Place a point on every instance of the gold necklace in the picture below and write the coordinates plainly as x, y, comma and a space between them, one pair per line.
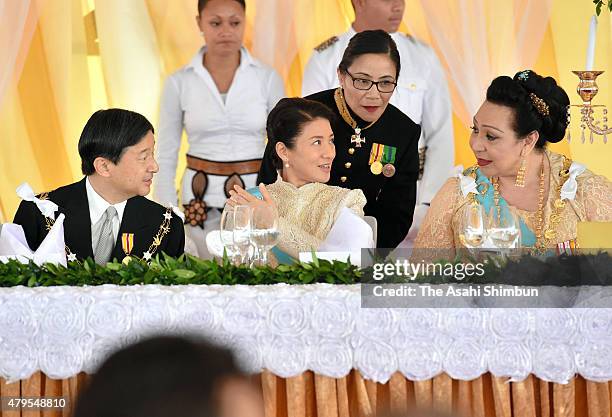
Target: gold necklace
555, 216
544, 236
539, 212
343, 109
540, 219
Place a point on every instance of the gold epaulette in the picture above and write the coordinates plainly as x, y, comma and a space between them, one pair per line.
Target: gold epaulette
326, 44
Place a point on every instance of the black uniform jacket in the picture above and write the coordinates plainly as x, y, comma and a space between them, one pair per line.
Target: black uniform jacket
390, 200
142, 217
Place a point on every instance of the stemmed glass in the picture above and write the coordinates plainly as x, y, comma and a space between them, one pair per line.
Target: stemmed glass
242, 231
503, 229
473, 235
264, 231
226, 229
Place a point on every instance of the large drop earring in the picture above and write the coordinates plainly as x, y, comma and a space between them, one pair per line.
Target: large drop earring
522, 171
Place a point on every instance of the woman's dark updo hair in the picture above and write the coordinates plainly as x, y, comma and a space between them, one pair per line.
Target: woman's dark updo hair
516, 94
203, 3
285, 122
370, 42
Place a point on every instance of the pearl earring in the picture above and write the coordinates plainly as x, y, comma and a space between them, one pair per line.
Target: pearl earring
286, 164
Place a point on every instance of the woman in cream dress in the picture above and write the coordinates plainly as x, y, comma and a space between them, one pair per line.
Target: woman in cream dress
301, 146
549, 192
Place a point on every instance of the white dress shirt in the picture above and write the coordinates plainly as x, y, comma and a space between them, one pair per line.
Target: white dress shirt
421, 93
97, 207
233, 129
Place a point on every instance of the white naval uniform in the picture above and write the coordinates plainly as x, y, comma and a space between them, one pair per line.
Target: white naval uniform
218, 129
421, 93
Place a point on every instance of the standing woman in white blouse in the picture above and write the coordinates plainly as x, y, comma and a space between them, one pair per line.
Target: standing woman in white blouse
221, 99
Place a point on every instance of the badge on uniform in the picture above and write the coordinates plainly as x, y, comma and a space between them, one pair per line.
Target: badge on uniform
127, 243
382, 158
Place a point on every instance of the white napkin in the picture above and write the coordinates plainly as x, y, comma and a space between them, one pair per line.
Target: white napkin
214, 244
349, 234
467, 183
46, 207
13, 245
568, 190
353, 257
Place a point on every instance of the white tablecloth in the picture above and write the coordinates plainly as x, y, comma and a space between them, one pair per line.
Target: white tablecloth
62, 331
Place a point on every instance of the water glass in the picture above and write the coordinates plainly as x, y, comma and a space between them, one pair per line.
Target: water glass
503, 228
473, 233
226, 230
242, 231
264, 231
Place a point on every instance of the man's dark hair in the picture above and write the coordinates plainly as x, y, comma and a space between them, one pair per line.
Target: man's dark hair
107, 133
160, 377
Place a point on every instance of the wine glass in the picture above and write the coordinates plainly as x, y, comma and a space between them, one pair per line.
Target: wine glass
226, 230
473, 235
264, 231
503, 228
242, 231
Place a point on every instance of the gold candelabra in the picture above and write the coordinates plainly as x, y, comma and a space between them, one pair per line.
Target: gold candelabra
587, 89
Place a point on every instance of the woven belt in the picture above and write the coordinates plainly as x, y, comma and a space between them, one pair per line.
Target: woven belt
223, 168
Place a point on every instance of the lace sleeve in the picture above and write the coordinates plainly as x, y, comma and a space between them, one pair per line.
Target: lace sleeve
355, 201
436, 230
294, 240
596, 195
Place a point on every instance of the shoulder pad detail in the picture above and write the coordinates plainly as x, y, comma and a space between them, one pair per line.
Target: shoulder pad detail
326, 44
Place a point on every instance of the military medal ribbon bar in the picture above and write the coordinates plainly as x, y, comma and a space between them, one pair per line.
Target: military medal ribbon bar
388, 159
382, 154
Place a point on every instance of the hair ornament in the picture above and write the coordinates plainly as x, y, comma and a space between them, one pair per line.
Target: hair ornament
523, 75
539, 104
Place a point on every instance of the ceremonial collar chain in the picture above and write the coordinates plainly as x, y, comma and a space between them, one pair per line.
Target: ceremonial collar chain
163, 230
346, 116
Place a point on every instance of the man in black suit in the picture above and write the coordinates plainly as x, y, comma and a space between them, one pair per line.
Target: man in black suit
107, 215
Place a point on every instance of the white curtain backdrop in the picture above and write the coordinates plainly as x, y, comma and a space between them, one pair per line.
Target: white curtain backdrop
16, 32
13, 34
130, 56
273, 35
480, 39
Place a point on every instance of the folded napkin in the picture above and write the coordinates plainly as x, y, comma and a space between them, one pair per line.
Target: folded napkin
46, 207
13, 245
349, 233
568, 190
352, 257
344, 242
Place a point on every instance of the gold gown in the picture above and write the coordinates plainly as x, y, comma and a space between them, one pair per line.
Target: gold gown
307, 213
593, 202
